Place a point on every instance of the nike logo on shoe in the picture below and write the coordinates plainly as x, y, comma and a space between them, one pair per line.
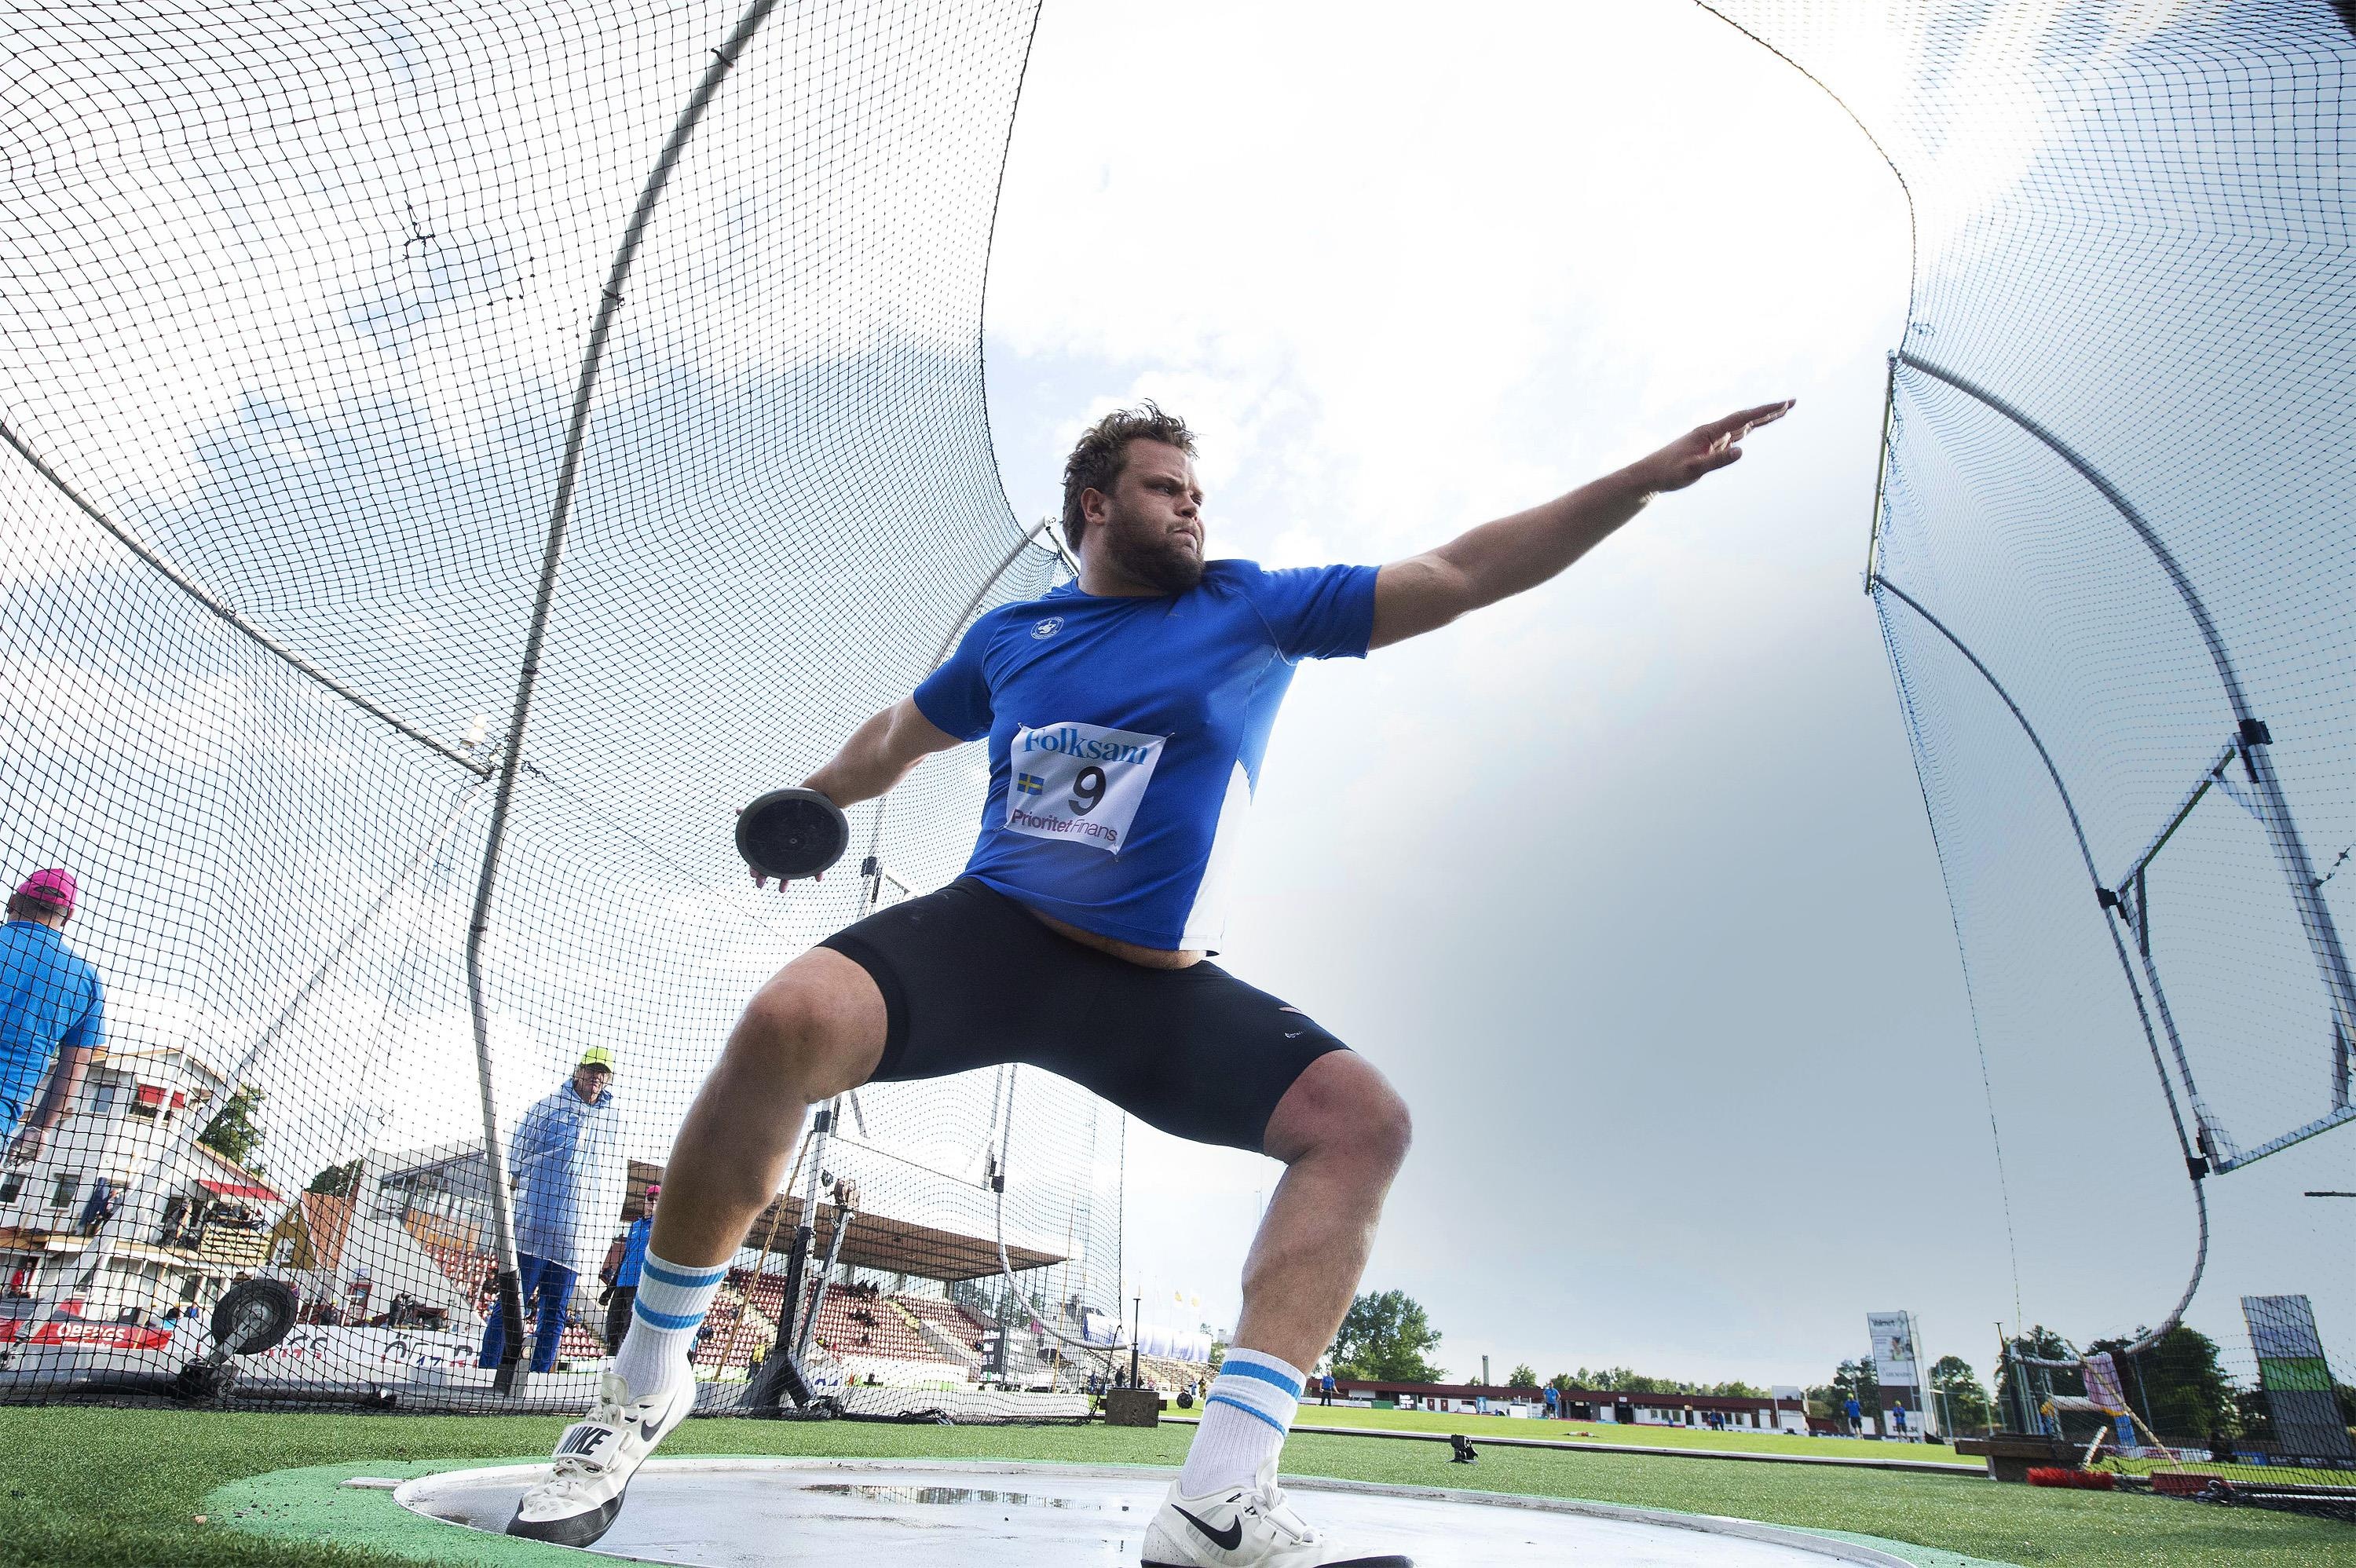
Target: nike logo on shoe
651, 1426
1225, 1540
582, 1441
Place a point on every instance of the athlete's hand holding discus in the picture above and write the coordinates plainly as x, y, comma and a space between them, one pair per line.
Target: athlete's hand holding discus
791, 834
794, 834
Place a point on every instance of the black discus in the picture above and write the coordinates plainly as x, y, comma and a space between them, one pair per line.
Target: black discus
253, 1316
792, 833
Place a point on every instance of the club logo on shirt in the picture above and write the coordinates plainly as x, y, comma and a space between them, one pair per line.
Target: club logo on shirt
1047, 628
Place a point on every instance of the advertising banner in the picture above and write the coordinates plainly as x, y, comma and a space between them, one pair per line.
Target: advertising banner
379, 1352
74, 1331
1893, 1349
2296, 1378
1906, 1407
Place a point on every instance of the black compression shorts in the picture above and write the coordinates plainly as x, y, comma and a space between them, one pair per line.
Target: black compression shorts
972, 979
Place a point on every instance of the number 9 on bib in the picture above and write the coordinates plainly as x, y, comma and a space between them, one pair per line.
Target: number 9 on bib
1079, 784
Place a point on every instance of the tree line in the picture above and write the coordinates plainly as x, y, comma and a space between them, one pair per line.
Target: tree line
1388, 1336
2180, 1386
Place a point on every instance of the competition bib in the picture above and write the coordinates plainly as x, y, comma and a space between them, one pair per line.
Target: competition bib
1078, 782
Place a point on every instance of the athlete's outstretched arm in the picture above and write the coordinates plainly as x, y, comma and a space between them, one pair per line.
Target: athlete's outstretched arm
879, 754
1497, 560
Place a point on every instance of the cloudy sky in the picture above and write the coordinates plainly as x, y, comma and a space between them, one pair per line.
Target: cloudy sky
1627, 883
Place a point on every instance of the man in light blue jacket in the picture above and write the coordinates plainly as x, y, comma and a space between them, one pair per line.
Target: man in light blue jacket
565, 1164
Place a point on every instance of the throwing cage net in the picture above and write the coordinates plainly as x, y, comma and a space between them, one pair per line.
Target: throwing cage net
2114, 558
456, 455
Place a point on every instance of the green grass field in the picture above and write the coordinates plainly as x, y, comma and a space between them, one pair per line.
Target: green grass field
1476, 1426
110, 1489
1748, 1441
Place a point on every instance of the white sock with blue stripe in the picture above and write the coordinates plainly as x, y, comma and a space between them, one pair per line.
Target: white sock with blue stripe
672, 1301
1246, 1417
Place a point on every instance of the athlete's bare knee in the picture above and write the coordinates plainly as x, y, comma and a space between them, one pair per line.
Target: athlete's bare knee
780, 1019
738, 1174
1384, 1129
1342, 1109
812, 1028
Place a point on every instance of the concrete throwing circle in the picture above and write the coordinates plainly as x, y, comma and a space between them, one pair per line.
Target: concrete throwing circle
732, 1513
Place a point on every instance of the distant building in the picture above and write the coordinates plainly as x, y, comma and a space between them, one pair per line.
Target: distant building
441, 1192
1773, 1414
174, 1236
352, 1263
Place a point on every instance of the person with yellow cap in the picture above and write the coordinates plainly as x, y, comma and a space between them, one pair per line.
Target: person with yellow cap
565, 1164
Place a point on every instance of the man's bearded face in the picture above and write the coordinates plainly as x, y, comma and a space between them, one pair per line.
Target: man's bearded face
1152, 526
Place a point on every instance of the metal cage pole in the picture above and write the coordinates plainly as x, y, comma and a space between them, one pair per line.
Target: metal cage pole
871, 867
2196, 1165
1881, 475
2272, 807
724, 59
842, 1215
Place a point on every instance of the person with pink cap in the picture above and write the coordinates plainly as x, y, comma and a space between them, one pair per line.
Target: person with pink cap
52, 1010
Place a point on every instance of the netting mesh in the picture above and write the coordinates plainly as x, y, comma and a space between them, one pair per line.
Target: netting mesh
2113, 564
297, 303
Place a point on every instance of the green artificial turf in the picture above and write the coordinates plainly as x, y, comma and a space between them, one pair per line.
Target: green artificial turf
111, 1489
1733, 1440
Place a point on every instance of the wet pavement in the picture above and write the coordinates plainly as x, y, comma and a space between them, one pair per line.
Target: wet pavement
724, 1514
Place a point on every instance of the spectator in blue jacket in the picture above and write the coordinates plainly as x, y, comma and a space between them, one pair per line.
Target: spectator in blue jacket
566, 1167
52, 1011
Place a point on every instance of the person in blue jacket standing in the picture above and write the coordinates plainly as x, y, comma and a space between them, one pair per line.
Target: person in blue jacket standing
52, 1010
624, 1260
565, 1163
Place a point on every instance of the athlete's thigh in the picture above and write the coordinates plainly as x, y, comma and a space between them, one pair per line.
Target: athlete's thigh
826, 1011
1195, 1052
967, 978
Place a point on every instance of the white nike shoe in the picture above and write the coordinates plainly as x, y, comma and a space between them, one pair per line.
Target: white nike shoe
595, 1459
1245, 1527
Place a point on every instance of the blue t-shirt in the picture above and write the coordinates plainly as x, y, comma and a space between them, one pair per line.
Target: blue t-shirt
50, 1000
1126, 736
634, 1252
